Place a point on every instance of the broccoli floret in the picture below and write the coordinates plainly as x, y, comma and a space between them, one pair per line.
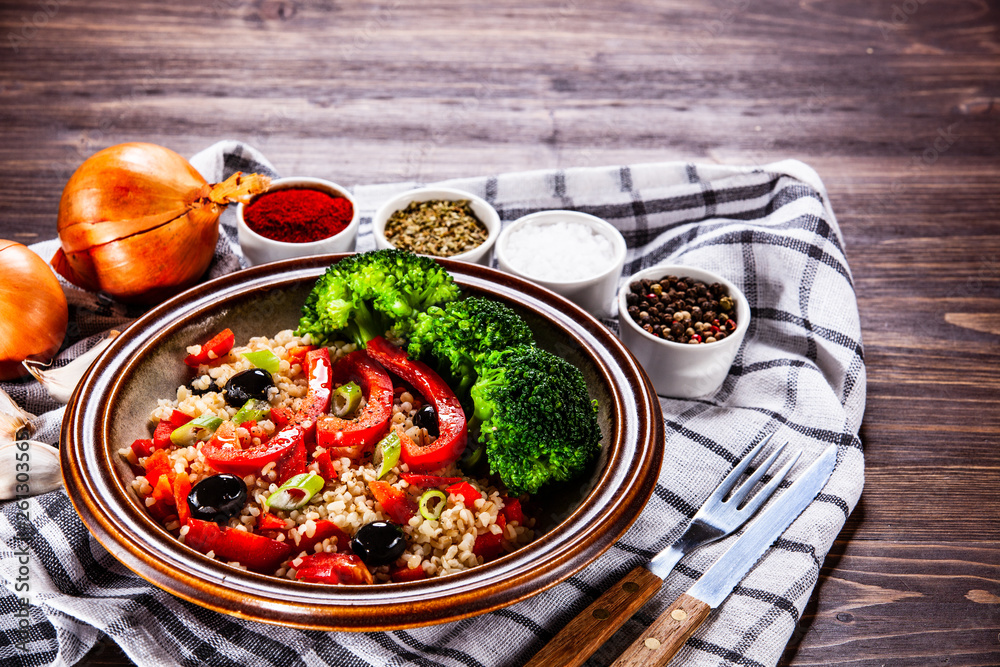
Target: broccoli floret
536, 419
368, 294
460, 335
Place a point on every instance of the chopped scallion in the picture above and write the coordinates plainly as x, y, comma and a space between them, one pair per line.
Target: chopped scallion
429, 509
253, 410
387, 454
264, 359
296, 492
198, 428
346, 399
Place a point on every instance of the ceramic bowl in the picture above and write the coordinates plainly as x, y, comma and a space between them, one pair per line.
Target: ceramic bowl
488, 215
677, 369
578, 521
260, 250
595, 292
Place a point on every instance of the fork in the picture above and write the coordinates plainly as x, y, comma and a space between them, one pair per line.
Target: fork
721, 514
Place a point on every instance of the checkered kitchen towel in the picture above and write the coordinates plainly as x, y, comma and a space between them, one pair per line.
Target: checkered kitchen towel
800, 374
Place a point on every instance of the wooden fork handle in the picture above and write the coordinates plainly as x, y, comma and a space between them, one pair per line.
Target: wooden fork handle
594, 625
665, 637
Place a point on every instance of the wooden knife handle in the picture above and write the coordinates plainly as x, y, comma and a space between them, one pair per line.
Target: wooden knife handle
661, 641
594, 625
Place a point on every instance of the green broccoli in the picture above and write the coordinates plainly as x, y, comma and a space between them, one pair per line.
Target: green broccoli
368, 294
460, 335
536, 419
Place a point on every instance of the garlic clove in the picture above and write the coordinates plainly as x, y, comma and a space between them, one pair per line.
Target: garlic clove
38, 473
60, 382
14, 421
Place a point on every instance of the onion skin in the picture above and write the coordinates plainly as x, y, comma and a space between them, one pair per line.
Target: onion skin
33, 310
139, 222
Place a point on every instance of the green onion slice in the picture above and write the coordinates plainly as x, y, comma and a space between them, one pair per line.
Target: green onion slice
264, 359
253, 410
429, 509
346, 399
296, 492
387, 454
198, 428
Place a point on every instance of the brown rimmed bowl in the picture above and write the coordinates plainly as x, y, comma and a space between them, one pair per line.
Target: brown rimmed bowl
578, 521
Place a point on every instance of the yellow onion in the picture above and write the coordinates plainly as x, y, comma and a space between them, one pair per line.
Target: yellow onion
139, 222
33, 310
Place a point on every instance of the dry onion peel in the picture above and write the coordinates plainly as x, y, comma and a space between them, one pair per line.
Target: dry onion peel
139, 222
60, 382
33, 309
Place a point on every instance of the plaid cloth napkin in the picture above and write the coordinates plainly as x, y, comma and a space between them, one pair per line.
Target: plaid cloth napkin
799, 374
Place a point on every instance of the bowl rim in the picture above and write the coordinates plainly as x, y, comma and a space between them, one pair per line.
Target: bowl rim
393, 204
602, 226
307, 183
96, 489
742, 307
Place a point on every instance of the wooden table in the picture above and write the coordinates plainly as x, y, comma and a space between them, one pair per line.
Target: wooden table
893, 102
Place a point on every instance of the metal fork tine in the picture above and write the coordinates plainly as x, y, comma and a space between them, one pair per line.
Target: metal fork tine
740, 494
754, 504
726, 485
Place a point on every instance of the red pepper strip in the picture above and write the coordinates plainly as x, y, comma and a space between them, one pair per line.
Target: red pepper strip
281, 417
293, 463
213, 350
143, 447
451, 419
402, 574
270, 522
428, 481
356, 438
512, 511
333, 569
161, 435
490, 545
222, 452
320, 388
466, 492
297, 355
255, 552
325, 466
394, 502
182, 487
156, 465
324, 530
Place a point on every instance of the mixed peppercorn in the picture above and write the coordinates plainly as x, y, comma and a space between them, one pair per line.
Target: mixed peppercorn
682, 310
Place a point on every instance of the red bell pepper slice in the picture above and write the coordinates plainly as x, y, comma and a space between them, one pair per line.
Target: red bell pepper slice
281, 417
223, 453
213, 350
451, 419
297, 355
403, 574
292, 463
182, 487
319, 389
143, 447
428, 481
512, 511
489, 545
161, 435
324, 529
335, 569
270, 522
324, 465
399, 506
356, 438
156, 465
466, 492
255, 552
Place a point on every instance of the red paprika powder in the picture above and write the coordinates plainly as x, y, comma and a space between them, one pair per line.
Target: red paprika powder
298, 215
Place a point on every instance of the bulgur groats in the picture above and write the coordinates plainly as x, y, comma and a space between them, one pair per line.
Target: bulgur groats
328, 521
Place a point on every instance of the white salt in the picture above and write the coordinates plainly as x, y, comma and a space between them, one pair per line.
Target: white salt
559, 251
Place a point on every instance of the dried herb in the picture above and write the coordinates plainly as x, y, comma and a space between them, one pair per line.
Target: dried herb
437, 227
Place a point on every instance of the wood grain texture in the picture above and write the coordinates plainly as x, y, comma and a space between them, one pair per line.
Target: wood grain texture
658, 643
594, 625
895, 104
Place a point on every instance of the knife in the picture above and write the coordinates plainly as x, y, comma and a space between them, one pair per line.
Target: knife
665, 637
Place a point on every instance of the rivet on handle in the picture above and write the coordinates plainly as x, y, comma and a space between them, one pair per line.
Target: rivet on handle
601, 614
630, 587
678, 614
652, 643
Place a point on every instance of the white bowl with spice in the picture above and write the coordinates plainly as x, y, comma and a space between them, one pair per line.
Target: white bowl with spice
440, 222
297, 217
576, 255
684, 325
